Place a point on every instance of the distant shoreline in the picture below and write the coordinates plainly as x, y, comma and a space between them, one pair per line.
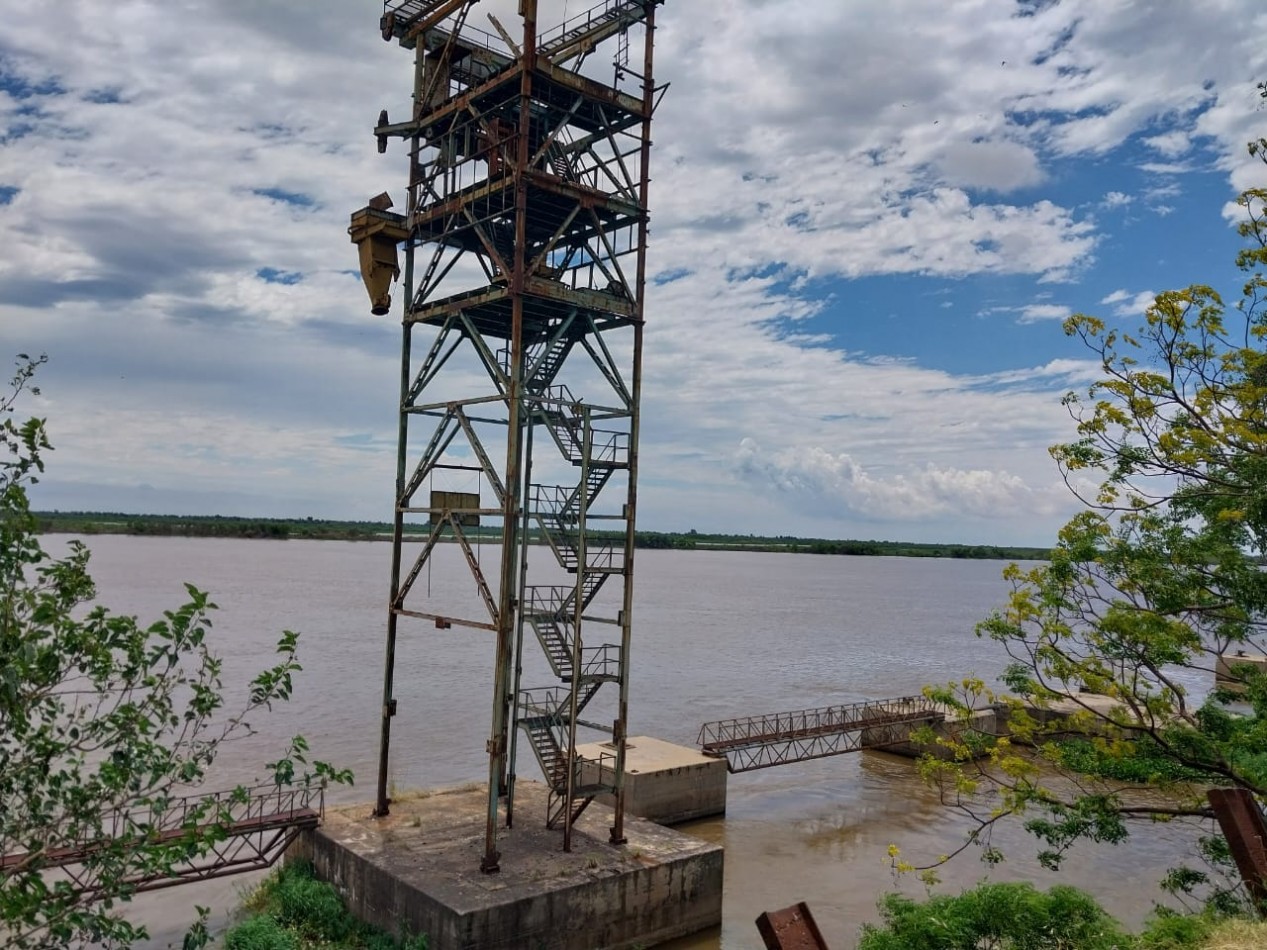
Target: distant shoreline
313, 529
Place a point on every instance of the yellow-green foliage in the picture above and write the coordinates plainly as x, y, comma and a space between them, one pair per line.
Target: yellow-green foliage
1148, 586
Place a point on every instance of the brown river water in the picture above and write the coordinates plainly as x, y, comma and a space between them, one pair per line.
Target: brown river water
716, 634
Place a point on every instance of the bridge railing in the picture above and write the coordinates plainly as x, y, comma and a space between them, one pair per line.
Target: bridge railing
239, 811
726, 734
237, 806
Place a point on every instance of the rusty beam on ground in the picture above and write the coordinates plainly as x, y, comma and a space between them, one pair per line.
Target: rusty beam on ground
1241, 821
792, 928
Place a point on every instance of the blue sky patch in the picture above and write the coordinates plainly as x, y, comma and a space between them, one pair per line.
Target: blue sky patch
296, 198
272, 275
7, 193
21, 87
107, 95
665, 277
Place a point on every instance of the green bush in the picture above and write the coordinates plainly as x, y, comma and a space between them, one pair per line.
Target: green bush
1170, 931
295, 911
310, 906
1011, 916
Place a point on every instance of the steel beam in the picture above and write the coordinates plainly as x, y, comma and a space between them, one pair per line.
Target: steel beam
1241, 821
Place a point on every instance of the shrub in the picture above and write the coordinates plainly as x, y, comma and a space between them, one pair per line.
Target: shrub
1013, 916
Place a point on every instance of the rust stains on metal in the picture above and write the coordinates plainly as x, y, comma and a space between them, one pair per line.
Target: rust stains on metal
524, 244
1241, 821
792, 928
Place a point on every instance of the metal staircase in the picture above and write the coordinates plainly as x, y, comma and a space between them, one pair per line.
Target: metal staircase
544, 363
551, 612
556, 612
544, 717
582, 33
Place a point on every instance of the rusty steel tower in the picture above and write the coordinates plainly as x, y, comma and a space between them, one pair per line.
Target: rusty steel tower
525, 240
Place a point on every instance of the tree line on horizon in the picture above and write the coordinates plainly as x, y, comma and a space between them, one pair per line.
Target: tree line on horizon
278, 529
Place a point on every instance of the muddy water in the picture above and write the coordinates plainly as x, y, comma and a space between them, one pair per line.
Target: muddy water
717, 634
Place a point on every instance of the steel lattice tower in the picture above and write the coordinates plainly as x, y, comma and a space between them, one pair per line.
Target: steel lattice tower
525, 237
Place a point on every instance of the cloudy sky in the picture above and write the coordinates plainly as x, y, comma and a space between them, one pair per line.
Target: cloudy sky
869, 217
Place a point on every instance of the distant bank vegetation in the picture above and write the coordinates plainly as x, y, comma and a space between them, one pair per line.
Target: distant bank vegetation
280, 529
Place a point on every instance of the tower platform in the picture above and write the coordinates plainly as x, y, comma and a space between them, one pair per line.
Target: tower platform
417, 871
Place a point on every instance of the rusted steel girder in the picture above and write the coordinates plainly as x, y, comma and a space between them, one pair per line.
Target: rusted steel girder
1241, 821
792, 928
245, 832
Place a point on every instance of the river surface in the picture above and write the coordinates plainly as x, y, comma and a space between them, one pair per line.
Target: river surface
716, 634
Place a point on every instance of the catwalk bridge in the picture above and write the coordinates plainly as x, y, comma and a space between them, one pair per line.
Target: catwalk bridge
758, 742
223, 833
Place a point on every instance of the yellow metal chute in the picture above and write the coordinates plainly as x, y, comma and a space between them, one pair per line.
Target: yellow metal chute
376, 231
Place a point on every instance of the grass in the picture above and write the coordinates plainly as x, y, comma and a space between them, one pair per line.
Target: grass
1237, 935
292, 910
1018, 916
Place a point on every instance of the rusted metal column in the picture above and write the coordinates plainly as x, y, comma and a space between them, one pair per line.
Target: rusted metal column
382, 803
620, 728
498, 745
1241, 821
519, 634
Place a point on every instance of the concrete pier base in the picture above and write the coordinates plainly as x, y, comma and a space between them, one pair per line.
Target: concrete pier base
1223, 669
665, 783
988, 721
417, 871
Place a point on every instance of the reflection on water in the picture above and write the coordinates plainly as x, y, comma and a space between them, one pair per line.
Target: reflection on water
717, 634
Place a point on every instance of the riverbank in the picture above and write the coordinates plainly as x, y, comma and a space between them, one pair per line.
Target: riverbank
311, 529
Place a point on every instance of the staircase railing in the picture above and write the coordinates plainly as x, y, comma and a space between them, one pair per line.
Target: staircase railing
601, 20
550, 611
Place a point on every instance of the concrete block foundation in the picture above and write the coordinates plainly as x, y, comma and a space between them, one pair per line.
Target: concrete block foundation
665, 783
1223, 669
417, 871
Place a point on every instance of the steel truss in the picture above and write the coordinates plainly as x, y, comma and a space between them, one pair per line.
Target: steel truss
525, 237
758, 742
213, 835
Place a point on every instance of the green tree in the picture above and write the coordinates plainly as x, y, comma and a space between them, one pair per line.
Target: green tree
1149, 585
104, 725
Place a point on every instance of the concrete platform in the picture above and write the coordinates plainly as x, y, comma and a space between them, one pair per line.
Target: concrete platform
1223, 669
665, 783
417, 871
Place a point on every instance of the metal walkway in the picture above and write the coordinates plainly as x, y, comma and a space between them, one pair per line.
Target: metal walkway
758, 742
243, 830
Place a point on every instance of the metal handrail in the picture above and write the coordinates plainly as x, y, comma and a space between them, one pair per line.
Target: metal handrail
604, 660
559, 35
776, 727
166, 817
